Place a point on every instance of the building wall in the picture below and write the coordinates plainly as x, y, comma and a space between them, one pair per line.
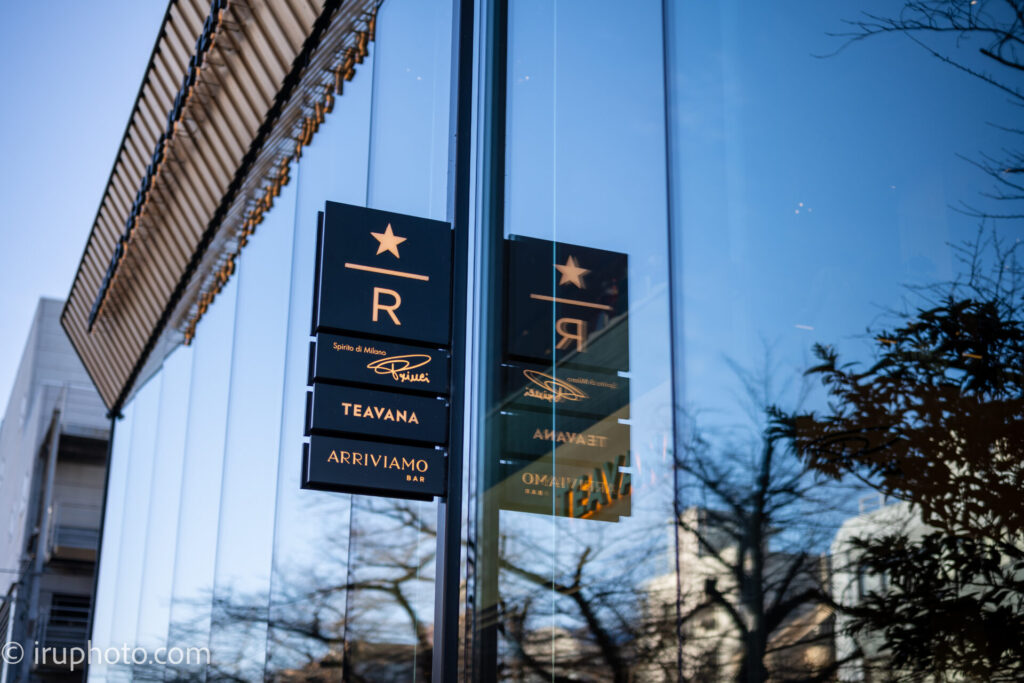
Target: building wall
48, 363
801, 201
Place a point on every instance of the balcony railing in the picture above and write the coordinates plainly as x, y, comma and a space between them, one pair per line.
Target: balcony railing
64, 625
74, 532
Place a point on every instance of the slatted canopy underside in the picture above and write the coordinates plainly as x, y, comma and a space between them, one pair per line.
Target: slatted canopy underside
232, 92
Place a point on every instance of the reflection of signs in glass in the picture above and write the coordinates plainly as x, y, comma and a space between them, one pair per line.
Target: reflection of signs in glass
384, 274
553, 390
604, 393
530, 434
606, 486
400, 367
600, 490
571, 272
567, 304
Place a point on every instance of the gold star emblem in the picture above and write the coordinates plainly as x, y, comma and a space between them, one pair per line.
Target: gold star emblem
389, 241
571, 273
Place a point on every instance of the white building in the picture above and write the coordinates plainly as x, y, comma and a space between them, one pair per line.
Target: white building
851, 582
53, 444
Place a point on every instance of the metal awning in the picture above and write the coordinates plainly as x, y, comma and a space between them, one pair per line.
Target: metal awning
233, 91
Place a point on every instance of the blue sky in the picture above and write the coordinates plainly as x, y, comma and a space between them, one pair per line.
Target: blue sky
71, 71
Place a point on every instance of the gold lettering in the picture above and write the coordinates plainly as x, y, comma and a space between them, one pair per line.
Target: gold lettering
380, 413
333, 457
390, 310
578, 334
600, 493
422, 466
623, 484
375, 458
357, 458
345, 455
577, 502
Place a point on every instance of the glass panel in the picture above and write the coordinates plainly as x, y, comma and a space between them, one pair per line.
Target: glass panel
408, 171
146, 407
110, 550
393, 542
199, 509
245, 536
311, 546
165, 491
576, 546
851, 307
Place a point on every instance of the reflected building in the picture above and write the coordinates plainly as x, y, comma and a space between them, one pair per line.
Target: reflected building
714, 610
500, 259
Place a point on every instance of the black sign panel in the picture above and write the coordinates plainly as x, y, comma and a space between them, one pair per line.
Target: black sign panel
353, 466
567, 304
570, 391
383, 274
378, 413
399, 366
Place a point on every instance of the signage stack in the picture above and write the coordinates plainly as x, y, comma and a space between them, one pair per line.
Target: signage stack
379, 368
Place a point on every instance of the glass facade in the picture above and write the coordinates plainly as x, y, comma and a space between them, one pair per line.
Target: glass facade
743, 364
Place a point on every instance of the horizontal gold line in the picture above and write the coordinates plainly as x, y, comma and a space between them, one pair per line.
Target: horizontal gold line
571, 302
385, 271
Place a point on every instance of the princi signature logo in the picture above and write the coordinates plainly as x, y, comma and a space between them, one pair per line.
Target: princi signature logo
554, 390
399, 367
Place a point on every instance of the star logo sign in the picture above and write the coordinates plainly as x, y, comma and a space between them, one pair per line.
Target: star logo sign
571, 273
388, 240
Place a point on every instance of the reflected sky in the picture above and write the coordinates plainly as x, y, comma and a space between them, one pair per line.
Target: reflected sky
813, 186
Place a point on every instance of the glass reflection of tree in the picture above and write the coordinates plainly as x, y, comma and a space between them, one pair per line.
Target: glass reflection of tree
938, 421
367, 626
753, 528
326, 623
983, 39
610, 623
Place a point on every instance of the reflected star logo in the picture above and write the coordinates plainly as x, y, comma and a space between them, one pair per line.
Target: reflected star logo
388, 240
571, 272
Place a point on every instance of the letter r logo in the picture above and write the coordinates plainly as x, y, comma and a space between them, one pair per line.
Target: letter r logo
389, 309
570, 330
